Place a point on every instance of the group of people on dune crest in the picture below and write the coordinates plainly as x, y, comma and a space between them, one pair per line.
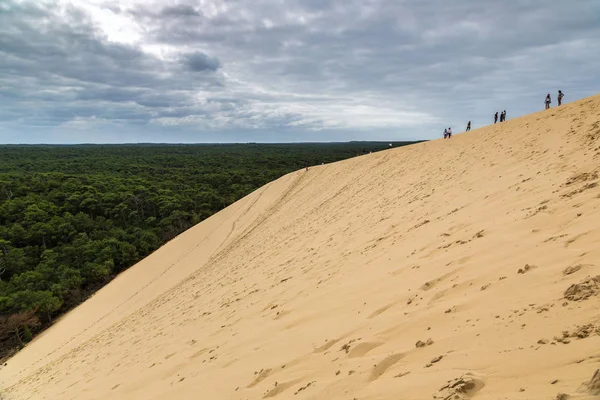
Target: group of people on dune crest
502, 115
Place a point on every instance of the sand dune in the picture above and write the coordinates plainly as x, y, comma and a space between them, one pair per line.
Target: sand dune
450, 269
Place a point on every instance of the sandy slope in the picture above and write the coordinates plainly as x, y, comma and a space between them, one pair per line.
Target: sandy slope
320, 284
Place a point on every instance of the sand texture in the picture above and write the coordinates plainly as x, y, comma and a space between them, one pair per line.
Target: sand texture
452, 269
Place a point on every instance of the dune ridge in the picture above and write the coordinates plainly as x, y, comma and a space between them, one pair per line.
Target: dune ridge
450, 269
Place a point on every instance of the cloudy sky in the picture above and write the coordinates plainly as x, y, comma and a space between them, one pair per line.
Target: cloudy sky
117, 71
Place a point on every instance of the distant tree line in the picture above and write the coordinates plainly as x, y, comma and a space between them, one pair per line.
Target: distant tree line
73, 217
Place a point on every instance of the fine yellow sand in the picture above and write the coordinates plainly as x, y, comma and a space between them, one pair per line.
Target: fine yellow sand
321, 284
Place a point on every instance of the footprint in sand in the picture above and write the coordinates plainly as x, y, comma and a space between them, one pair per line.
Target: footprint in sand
575, 238
281, 314
326, 346
433, 283
574, 268
280, 388
593, 385
309, 384
380, 311
362, 349
198, 353
583, 290
264, 374
463, 387
437, 296
384, 365
526, 268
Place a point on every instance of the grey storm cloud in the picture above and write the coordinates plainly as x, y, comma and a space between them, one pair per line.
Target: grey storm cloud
180, 10
65, 68
199, 61
380, 69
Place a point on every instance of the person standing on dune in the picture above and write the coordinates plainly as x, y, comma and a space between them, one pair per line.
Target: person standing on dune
496, 117
445, 133
468, 127
559, 97
548, 101
449, 133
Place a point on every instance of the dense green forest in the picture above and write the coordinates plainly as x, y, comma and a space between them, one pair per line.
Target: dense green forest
72, 217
